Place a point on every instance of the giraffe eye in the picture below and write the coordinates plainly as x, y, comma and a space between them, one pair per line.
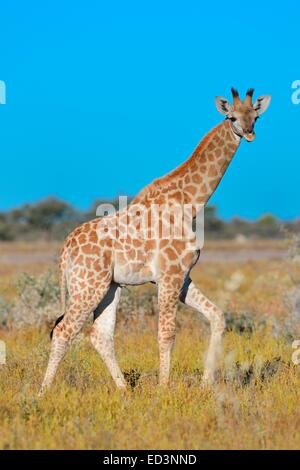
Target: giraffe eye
233, 119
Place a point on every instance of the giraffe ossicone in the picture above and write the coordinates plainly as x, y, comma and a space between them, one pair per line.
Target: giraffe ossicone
151, 240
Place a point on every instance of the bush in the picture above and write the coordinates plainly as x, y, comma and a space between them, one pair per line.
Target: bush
242, 323
37, 302
292, 298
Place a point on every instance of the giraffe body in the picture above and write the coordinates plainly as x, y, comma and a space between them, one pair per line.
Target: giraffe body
106, 253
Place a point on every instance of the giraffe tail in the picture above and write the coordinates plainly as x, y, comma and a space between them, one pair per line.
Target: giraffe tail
63, 292
63, 289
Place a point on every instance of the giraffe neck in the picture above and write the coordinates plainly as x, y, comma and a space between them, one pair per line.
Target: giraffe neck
195, 180
200, 175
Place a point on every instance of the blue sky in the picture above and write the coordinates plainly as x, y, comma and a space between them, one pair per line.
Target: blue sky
103, 97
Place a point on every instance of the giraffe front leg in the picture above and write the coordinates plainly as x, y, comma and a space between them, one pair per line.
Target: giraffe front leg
168, 301
193, 297
102, 334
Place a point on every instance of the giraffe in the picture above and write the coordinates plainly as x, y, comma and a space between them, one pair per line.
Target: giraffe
101, 256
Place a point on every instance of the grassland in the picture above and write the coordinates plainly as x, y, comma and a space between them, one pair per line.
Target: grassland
255, 403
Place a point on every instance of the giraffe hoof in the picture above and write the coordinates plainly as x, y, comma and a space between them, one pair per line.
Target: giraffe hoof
163, 384
208, 379
42, 391
122, 387
121, 383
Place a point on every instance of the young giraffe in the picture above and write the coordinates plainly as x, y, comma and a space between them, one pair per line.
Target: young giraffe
93, 266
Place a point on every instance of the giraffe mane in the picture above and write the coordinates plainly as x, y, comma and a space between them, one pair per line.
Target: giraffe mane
164, 181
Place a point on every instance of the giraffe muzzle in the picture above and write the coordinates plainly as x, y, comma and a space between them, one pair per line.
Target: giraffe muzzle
249, 136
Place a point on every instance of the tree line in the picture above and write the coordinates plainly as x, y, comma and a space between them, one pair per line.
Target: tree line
53, 219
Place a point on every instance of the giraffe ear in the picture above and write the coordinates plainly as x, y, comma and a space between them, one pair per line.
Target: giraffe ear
262, 104
223, 105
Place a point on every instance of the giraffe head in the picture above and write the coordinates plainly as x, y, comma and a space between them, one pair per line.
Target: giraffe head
243, 114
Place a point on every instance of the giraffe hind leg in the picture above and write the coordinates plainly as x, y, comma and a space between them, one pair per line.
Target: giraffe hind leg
71, 324
102, 334
194, 298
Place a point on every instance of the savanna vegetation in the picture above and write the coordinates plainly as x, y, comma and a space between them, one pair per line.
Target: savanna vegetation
254, 404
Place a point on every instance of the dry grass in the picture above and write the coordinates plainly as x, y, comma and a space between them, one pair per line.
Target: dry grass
84, 410
230, 245
255, 403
